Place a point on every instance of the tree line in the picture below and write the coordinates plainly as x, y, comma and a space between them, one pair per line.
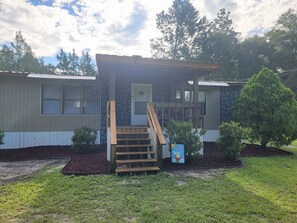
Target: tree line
18, 56
187, 35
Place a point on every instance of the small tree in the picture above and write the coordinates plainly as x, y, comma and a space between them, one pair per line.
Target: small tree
184, 133
84, 139
268, 108
2, 134
231, 137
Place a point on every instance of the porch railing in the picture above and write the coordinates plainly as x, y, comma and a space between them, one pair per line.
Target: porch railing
156, 131
112, 133
179, 111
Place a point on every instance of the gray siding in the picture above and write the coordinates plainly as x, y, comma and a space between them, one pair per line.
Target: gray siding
20, 107
212, 118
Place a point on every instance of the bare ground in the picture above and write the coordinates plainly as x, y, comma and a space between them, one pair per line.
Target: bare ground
11, 171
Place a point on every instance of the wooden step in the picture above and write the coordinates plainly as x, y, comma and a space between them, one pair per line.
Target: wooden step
132, 133
134, 139
134, 146
136, 161
131, 129
137, 169
134, 153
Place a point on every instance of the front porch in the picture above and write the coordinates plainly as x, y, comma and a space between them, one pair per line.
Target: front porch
150, 93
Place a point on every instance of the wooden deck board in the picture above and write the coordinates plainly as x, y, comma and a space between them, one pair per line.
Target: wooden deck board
137, 169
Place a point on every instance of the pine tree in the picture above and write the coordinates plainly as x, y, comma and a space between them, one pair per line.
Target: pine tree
181, 30
20, 57
220, 47
85, 64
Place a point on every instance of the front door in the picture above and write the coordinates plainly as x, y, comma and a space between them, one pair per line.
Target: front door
140, 95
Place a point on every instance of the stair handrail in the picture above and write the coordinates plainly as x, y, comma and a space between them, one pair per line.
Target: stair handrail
154, 123
156, 131
111, 121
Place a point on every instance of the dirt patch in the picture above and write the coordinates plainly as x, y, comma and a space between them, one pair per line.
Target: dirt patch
204, 174
128, 182
10, 171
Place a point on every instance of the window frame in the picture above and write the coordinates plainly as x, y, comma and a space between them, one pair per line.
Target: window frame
83, 99
42, 99
62, 99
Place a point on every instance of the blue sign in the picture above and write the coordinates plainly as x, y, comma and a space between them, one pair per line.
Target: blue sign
177, 153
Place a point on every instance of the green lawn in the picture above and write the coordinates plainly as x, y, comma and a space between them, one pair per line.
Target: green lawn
265, 190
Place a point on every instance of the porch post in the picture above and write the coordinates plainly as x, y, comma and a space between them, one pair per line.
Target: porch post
112, 86
197, 114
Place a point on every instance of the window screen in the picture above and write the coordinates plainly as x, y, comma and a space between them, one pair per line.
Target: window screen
71, 100
91, 104
51, 99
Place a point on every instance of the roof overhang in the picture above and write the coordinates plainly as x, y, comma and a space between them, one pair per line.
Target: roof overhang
13, 73
61, 77
124, 65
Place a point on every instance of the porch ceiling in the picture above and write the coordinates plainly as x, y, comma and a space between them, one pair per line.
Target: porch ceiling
131, 66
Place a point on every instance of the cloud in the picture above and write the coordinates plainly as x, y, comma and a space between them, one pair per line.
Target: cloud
127, 35
122, 27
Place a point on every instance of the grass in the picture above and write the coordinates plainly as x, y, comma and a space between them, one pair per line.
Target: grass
265, 190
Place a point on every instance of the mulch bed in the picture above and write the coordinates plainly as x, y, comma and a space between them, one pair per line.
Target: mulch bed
38, 152
213, 157
258, 151
90, 163
96, 163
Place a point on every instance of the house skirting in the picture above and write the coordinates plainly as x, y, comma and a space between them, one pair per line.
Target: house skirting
17, 140
211, 135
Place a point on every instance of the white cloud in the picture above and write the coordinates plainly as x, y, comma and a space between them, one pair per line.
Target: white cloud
102, 25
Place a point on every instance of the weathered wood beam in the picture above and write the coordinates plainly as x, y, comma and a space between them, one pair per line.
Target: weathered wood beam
196, 103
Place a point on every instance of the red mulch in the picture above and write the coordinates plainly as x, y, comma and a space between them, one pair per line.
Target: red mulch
90, 163
95, 162
258, 151
38, 152
213, 157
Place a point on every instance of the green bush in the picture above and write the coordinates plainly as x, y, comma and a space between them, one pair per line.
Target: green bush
268, 108
84, 139
231, 137
2, 134
184, 133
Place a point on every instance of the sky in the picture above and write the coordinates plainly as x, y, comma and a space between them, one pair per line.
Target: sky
120, 27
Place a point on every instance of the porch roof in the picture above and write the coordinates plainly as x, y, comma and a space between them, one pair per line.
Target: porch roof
124, 65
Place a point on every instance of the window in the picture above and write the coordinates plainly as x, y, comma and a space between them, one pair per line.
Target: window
189, 98
51, 99
91, 100
70, 99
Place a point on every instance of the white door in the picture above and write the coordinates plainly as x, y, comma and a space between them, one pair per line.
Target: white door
141, 94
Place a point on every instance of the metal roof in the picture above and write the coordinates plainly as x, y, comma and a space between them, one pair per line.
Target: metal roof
61, 77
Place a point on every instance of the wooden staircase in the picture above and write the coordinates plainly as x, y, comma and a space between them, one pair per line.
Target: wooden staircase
134, 151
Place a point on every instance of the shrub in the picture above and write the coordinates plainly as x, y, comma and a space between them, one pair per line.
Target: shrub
2, 134
84, 139
231, 137
183, 133
268, 108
